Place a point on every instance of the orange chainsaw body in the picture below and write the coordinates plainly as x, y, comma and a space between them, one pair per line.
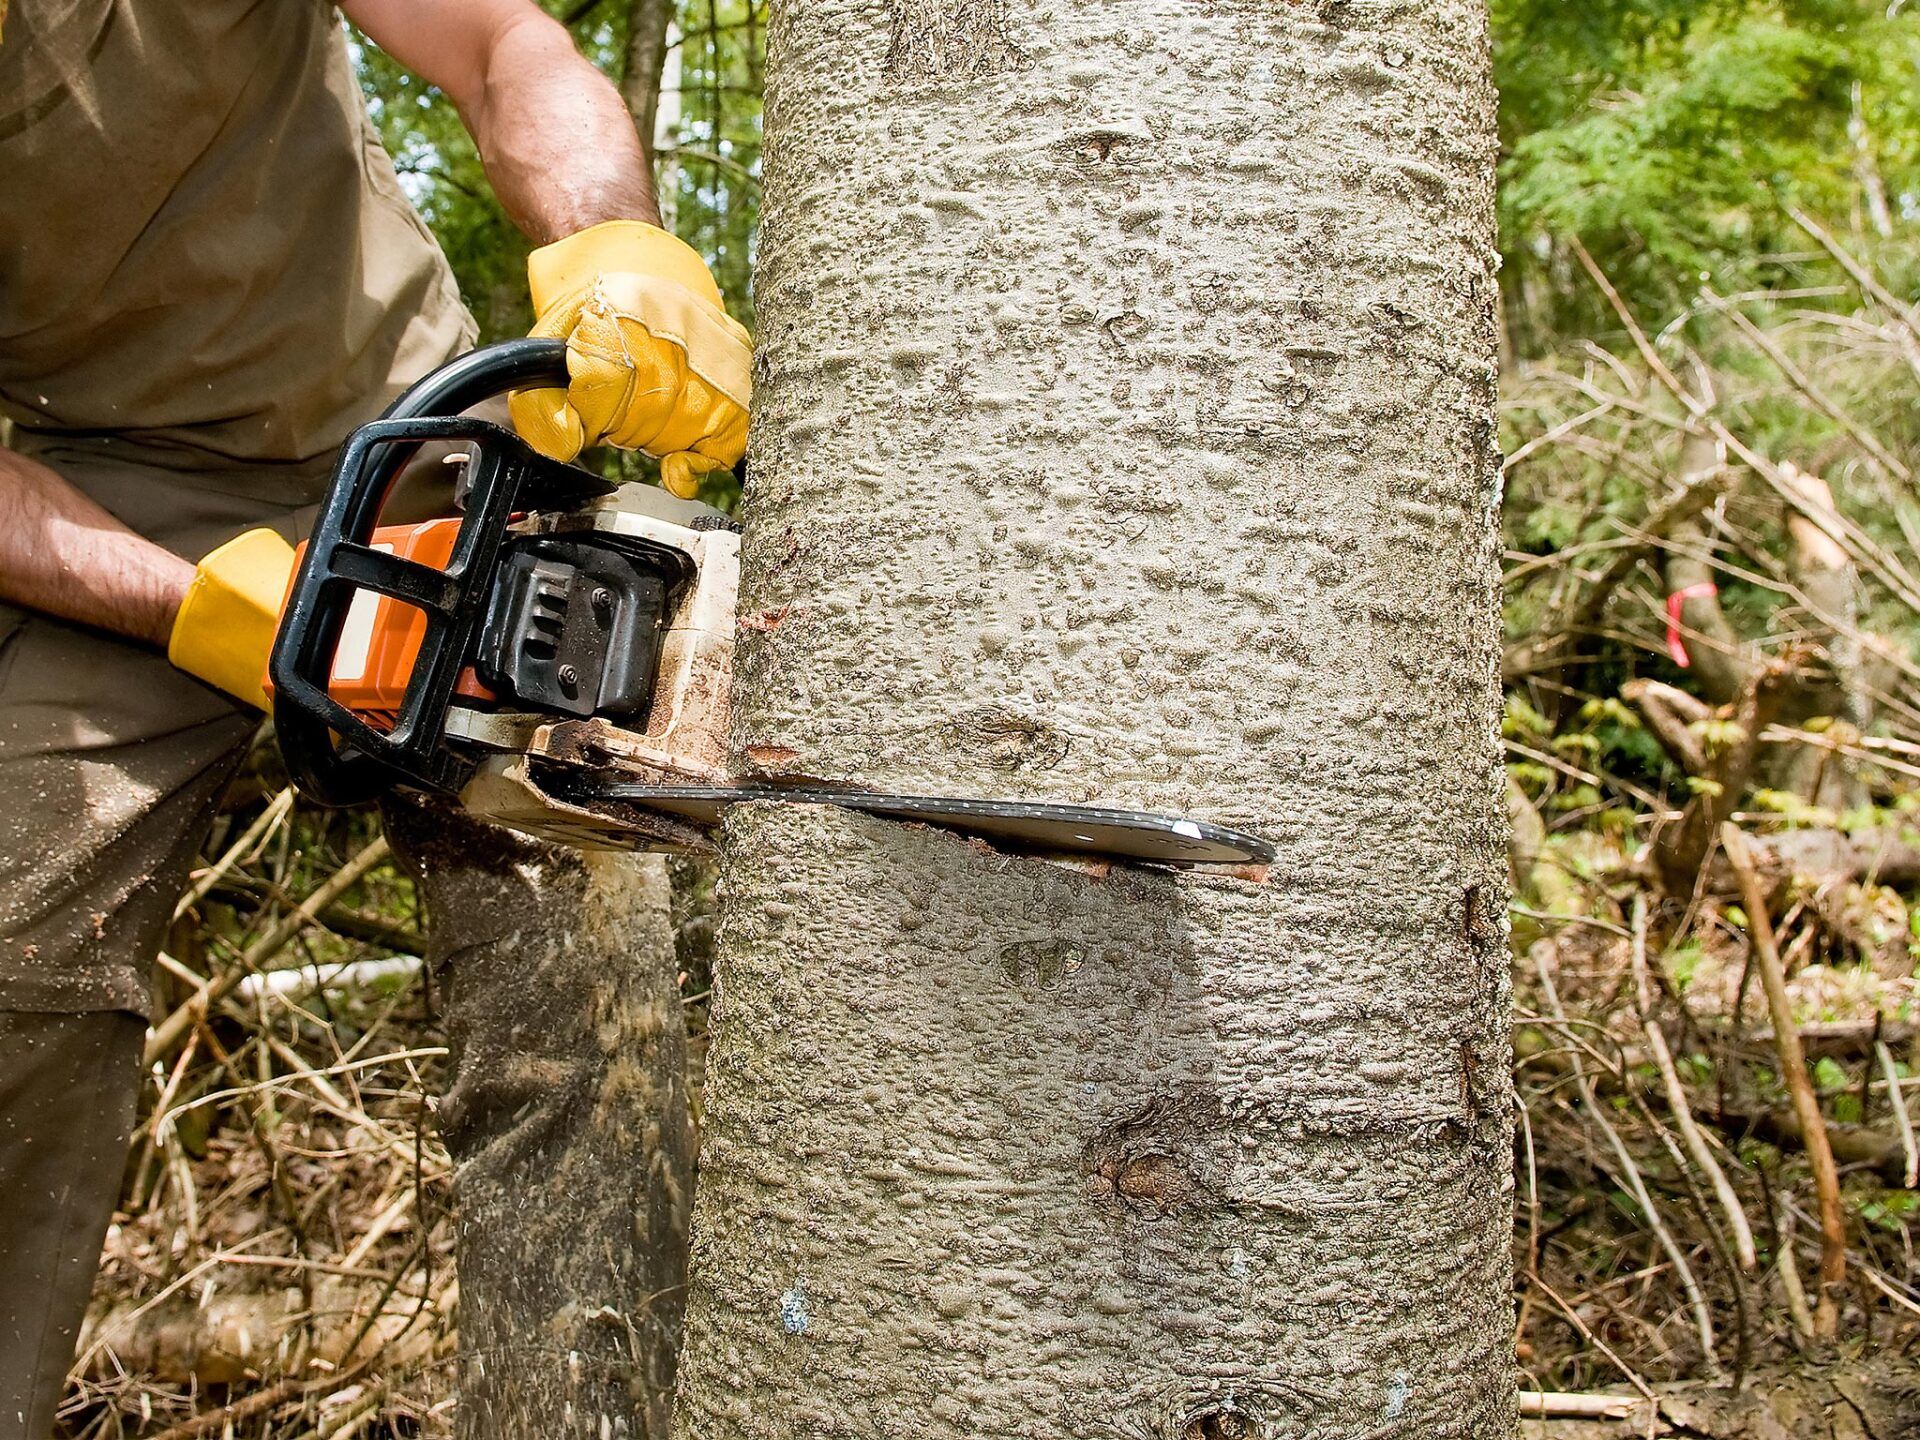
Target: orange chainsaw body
380, 641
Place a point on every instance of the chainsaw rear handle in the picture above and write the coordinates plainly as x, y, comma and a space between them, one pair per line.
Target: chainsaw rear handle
336, 756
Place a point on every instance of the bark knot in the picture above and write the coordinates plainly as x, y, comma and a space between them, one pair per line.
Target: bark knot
1044, 963
1156, 1158
1004, 739
1226, 1423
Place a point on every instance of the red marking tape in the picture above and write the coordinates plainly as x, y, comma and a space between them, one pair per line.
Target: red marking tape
1676, 603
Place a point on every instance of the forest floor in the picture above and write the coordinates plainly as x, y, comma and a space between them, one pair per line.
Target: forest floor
283, 1262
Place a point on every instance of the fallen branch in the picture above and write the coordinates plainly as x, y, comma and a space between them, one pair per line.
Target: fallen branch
1860, 1145
237, 853
231, 1334
1793, 1069
1698, 489
1804, 383
1865, 552
1909, 1152
300, 981
1848, 1037
1886, 857
1546, 1405
1627, 1172
1669, 712
1869, 284
168, 1033
1677, 1103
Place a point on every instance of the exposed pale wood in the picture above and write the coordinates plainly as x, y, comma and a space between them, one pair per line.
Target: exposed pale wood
1550, 1406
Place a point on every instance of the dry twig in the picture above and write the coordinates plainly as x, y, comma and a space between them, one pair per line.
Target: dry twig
1793, 1067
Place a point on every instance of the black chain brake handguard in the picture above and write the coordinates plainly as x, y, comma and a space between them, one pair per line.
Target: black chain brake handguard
338, 757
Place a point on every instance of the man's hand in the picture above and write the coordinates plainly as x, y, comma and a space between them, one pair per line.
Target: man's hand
656, 363
230, 614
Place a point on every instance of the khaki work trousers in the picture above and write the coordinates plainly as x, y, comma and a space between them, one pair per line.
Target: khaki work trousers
568, 1208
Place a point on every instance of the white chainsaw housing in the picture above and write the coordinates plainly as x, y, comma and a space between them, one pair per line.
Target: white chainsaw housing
684, 740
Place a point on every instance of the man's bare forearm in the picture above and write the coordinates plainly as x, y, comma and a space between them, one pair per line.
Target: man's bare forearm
63, 555
560, 149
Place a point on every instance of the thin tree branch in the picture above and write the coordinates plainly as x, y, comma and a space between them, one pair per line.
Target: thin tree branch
1793, 1070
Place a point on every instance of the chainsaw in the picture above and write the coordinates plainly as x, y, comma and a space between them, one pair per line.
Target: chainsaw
559, 655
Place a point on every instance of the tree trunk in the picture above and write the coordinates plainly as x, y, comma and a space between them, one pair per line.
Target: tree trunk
1124, 434
568, 1123
647, 24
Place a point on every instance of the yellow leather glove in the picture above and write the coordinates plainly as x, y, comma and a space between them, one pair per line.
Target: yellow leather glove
226, 625
656, 362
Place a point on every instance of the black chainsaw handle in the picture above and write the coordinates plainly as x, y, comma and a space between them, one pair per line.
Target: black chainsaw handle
469, 380
335, 756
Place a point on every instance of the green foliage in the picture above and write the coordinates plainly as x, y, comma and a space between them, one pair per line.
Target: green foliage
1580, 797
1831, 1078
1828, 1074
1522, 721
711, 183
1664, 133
1681, 963
1892, 1210
1794, 809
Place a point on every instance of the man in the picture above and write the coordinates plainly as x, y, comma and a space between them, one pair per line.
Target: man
208, 276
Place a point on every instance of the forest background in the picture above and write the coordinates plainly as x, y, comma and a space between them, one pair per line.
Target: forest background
1711, 366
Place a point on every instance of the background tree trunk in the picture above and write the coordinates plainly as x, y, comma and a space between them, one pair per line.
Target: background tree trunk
1124, 433
568, 1120
647, 24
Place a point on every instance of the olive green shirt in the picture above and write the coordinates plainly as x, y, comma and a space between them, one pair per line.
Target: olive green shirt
209, 274
207, 263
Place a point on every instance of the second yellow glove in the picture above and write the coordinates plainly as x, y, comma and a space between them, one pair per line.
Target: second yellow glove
656, 362
224, 630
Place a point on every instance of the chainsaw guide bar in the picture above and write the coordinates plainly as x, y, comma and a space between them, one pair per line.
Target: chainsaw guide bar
560, 655
1023, 825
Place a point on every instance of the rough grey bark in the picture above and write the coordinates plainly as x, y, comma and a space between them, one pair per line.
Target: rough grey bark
1124, 432
567, 1119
